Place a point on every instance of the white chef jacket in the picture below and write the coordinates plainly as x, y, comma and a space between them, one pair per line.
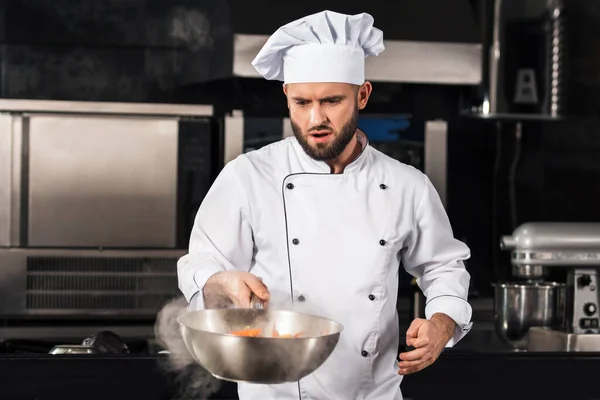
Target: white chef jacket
278, 213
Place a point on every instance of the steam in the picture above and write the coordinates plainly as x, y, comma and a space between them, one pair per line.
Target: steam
195, 383
291, 357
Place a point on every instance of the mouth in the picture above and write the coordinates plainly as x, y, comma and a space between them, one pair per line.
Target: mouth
320, 136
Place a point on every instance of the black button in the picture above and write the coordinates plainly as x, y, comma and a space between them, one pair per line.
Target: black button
364, 353
295, 241
588, 323
382, 242
371, 297
301, 298
383, 186
290, 186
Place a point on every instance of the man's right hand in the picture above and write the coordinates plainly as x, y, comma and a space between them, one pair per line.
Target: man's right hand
238, 286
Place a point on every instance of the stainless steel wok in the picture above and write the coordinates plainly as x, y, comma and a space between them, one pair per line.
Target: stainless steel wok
268, 360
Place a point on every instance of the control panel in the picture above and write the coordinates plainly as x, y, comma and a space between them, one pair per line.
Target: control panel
586, 318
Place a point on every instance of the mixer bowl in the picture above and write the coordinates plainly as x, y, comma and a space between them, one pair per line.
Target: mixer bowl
267, 360
520, 306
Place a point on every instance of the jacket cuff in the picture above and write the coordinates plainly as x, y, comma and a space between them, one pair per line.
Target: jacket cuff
200, 278
190, 287
456, 308
196, 303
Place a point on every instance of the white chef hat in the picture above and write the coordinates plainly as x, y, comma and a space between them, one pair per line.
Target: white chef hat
322, 47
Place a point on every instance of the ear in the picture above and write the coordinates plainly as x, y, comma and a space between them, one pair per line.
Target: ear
364, 92
285, 91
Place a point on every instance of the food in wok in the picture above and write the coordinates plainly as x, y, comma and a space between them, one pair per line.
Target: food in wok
259, 345
259, 332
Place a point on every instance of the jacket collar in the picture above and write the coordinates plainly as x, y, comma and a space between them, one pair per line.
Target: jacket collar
311, 165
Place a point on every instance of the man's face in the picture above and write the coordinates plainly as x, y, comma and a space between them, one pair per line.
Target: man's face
324, 116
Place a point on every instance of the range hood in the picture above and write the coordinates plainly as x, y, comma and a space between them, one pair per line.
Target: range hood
402, 61
426, 41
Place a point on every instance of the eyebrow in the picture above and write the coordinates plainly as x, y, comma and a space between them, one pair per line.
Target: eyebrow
328, 98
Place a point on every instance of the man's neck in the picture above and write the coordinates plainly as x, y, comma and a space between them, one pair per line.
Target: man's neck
350, 153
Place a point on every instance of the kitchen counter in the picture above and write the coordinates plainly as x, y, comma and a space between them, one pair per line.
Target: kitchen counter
460, 374
457, 374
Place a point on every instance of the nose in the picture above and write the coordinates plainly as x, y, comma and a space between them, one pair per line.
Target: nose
317, 116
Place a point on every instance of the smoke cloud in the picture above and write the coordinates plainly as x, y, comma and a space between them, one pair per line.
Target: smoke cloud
291, 357
194, 382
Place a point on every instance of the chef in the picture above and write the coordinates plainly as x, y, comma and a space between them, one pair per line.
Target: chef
321, 222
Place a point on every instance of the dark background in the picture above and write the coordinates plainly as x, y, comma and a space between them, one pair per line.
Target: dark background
180, 51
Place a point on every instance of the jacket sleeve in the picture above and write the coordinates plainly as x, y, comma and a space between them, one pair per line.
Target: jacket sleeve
221, 238
436, 259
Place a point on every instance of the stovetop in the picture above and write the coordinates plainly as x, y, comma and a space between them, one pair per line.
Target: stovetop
44, 346
34, 346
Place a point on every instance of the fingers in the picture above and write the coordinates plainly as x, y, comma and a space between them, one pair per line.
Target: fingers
424, 336
413, 329
414, 359
407, 370
411, 364
239, 303
257, 286
414, 354
238, 291
418, 342
240, 287
420, 358
417, 334
241, 296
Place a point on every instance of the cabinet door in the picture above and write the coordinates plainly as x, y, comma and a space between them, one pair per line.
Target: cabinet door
101, 181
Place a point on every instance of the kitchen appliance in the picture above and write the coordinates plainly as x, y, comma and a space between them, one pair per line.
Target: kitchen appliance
543, 249
544, 303
72, 349
97, 201
267, 360
105, 342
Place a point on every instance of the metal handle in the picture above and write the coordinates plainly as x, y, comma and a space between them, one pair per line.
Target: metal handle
256, 302
507, 243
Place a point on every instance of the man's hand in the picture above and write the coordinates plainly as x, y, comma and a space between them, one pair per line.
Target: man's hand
428, 337
237, 286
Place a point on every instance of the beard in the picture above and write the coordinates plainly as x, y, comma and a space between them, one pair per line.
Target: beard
333, 149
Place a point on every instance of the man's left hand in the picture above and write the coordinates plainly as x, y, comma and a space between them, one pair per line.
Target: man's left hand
428, 337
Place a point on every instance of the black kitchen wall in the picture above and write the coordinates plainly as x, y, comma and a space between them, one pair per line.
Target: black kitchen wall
422, 20
111, 50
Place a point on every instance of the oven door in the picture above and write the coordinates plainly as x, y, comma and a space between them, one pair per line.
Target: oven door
101, 180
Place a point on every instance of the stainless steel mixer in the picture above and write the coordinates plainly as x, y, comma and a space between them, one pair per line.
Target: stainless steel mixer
536, 315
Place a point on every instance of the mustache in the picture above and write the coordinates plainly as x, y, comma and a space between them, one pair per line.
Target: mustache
320, 128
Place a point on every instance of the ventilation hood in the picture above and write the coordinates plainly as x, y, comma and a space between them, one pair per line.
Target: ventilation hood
402, 61
426, 41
